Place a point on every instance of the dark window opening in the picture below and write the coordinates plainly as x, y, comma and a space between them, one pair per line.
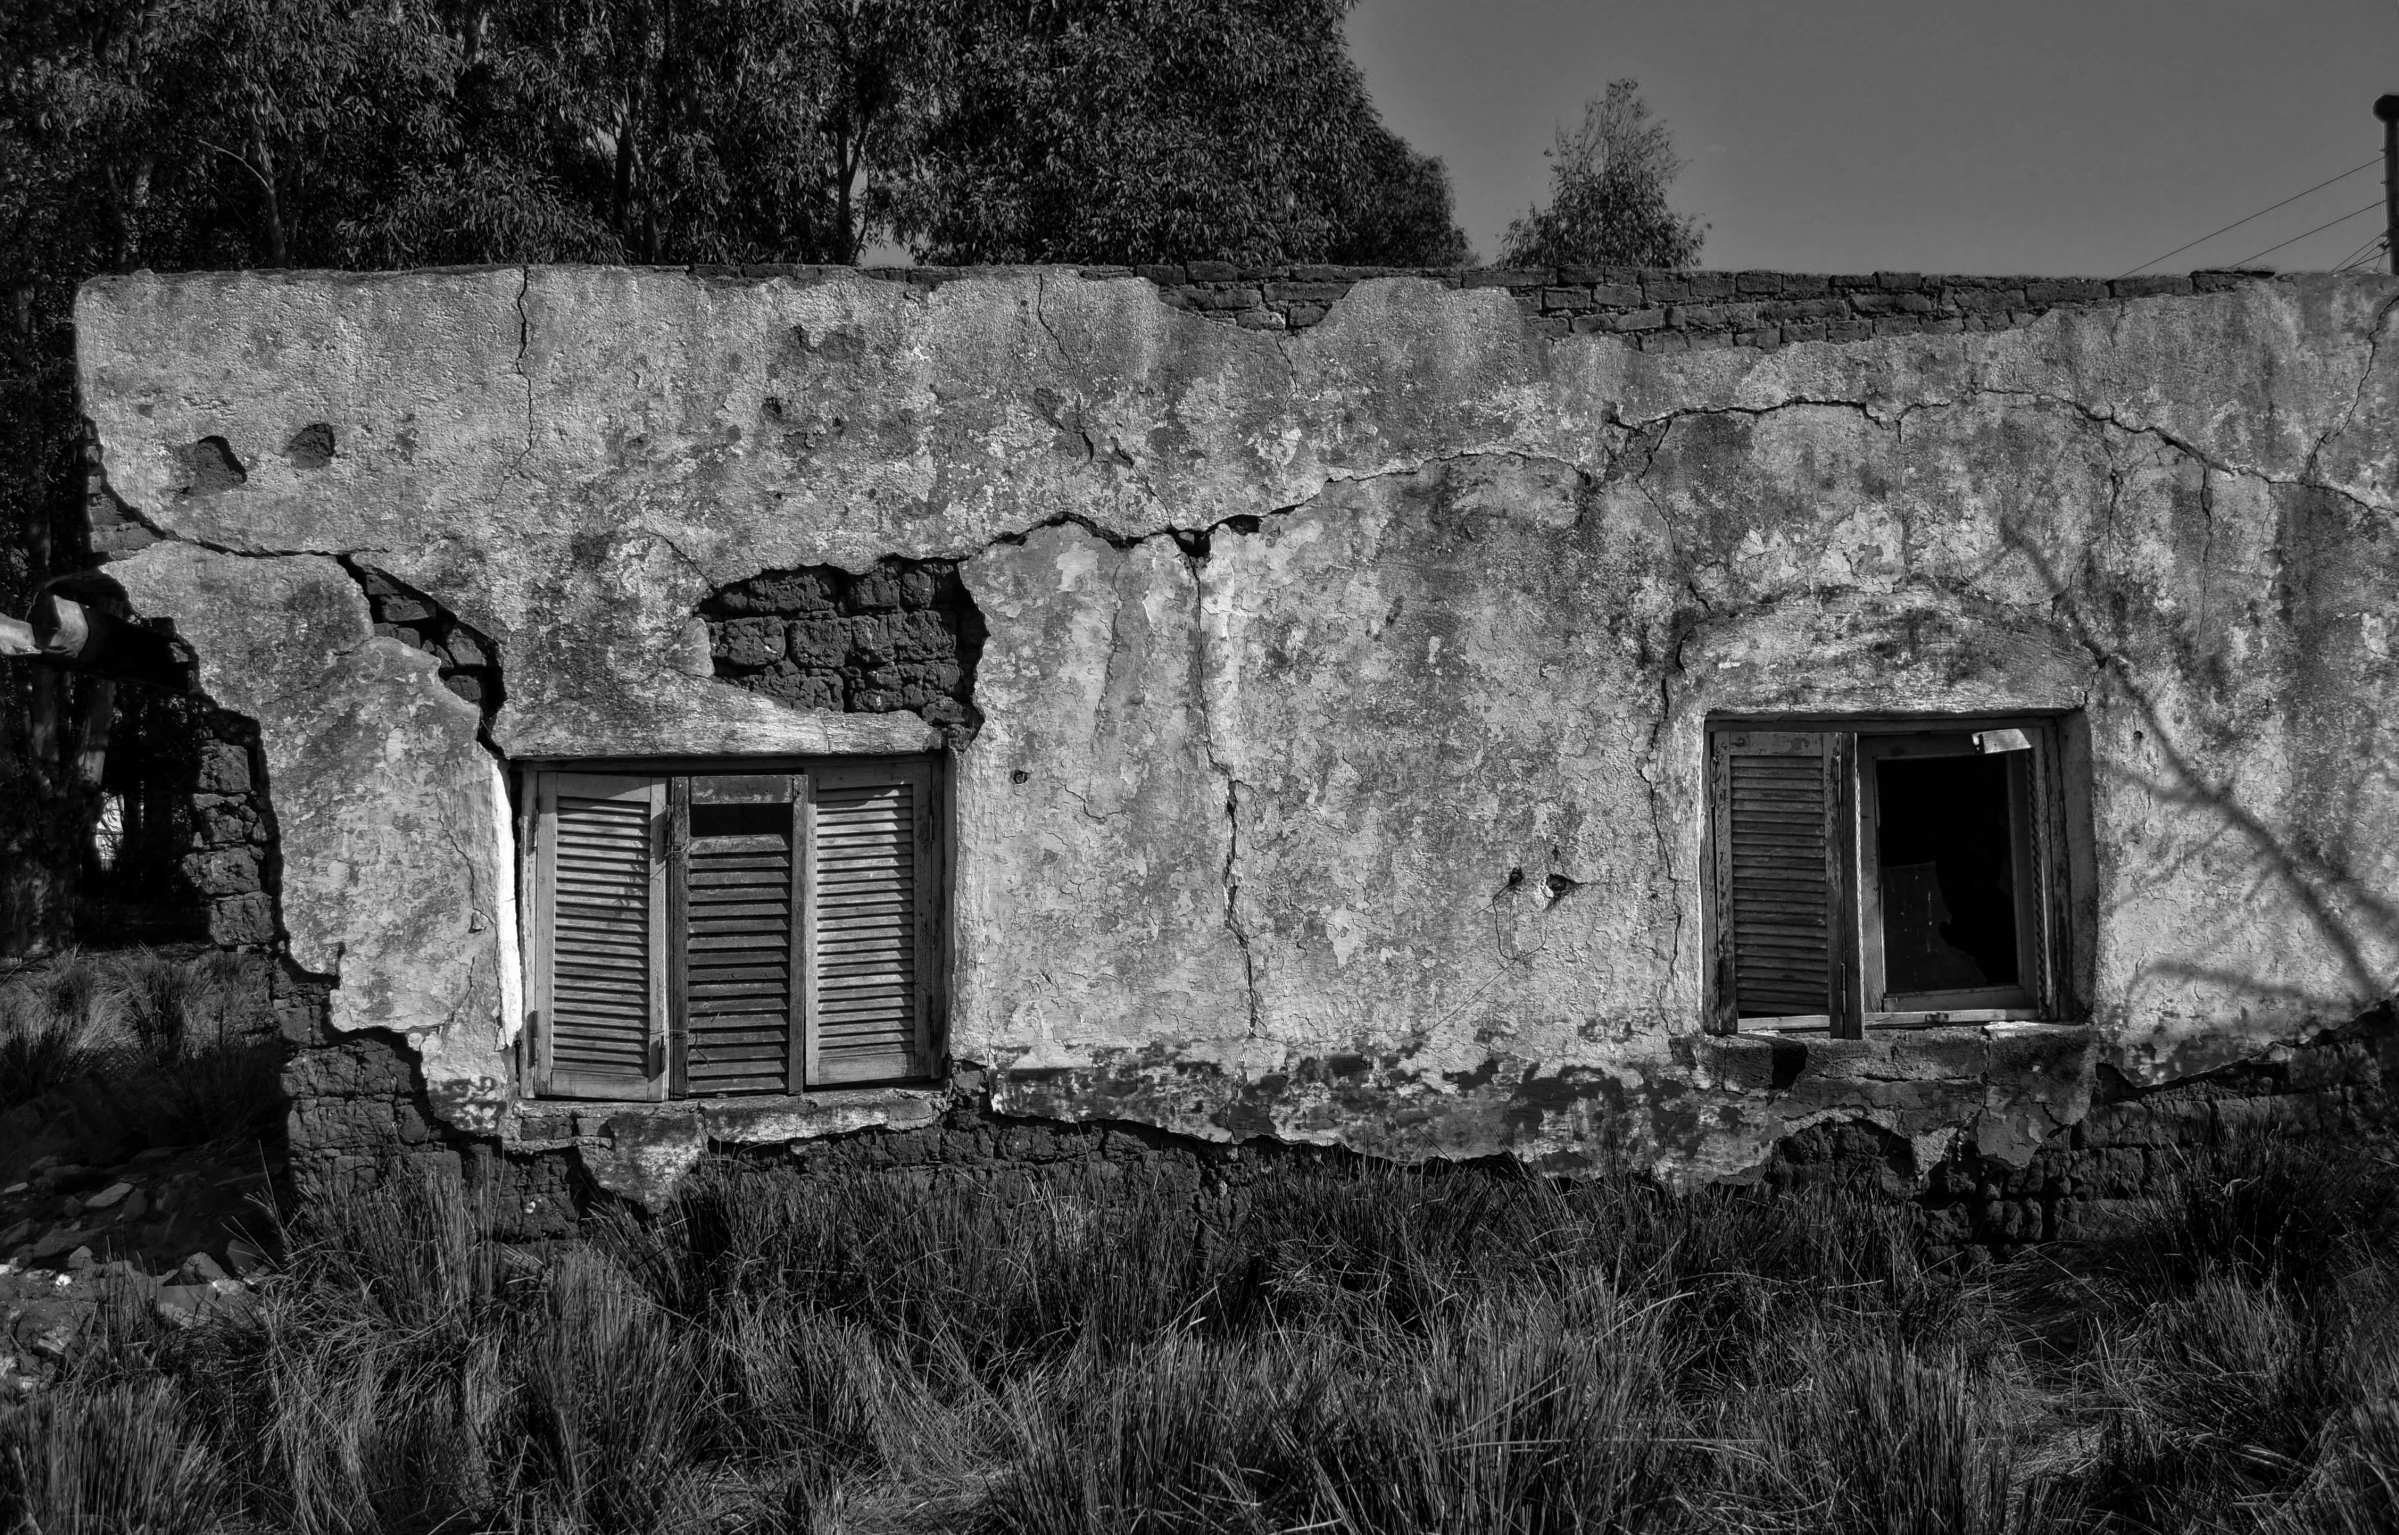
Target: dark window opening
767, 820
1899, 872
1948, 874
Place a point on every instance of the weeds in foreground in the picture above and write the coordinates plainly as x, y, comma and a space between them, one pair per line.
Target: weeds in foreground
189, 1037
1327, 1348
40, 1049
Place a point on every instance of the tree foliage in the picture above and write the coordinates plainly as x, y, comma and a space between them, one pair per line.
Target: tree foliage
342, 133
1143, 130
1608, 183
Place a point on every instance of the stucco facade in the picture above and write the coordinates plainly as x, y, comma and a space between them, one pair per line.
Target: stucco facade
1332, 767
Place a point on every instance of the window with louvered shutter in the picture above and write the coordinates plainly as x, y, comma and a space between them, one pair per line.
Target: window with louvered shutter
739, 932
1888, 872
871, 931
737, 959
599, 982
1781, 835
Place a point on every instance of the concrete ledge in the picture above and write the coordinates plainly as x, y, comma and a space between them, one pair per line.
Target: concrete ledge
641, 1151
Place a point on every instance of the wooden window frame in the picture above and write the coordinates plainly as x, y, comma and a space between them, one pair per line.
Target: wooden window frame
1859, 999
674, 781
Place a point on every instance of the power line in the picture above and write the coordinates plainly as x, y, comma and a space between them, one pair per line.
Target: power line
2319, 229
2365, 258
2371, 240
2259, 214
2364, 252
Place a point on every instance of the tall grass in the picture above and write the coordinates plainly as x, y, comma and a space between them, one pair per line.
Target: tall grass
186, 1037
116, 1458
1329, 1348
40, 1049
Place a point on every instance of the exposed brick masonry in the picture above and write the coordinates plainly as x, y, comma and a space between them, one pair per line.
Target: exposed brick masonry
1662, 311
903, 635
470, 664
2132, 1144
1652, 309
233, 842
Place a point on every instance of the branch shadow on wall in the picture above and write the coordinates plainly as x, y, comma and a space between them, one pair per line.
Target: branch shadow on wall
2319, 883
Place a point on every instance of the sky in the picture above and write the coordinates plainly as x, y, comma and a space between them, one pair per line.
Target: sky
2038, 136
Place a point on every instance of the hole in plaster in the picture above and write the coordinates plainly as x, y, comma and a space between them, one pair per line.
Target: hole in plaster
901, 636
212, 467
311, 446
1560, 886
1020, 776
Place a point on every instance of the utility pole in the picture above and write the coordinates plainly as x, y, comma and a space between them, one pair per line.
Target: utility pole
2387, 108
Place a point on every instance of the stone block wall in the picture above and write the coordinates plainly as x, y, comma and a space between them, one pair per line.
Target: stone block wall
470, 662
360, 1117
231, 861
360, 1113
1671, 311
904, 635
358, 1106
1648, 308
2132, 1144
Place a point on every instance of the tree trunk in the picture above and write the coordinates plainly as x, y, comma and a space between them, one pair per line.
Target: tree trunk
845, 243
271, 202
94, 714
623, 210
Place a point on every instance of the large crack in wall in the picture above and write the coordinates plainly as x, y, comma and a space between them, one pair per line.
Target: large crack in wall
468, 660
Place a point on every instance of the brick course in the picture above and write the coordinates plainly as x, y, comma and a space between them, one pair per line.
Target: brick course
1647, 308
2131, 1146
231, 858
902, 635
469, 661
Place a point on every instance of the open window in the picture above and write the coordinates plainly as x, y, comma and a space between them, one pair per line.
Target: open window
733, 928
1884, 873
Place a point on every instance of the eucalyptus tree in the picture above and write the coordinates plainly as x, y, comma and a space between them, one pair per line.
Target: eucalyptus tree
1608, 185
341, 133
1144, 130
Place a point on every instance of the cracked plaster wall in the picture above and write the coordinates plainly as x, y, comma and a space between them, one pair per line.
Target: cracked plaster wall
1363, 808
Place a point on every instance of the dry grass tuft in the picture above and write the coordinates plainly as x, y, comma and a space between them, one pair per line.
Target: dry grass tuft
1357, 1349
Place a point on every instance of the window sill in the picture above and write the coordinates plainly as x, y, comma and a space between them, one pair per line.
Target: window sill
821, 1097
1933, 1071
1944, 1019
542, 1123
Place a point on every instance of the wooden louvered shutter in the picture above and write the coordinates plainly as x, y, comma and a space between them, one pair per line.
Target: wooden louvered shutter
735, 892
600, 931
871, 935
1784, 845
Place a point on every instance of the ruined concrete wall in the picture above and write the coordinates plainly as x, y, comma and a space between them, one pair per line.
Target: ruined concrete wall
1343, 697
